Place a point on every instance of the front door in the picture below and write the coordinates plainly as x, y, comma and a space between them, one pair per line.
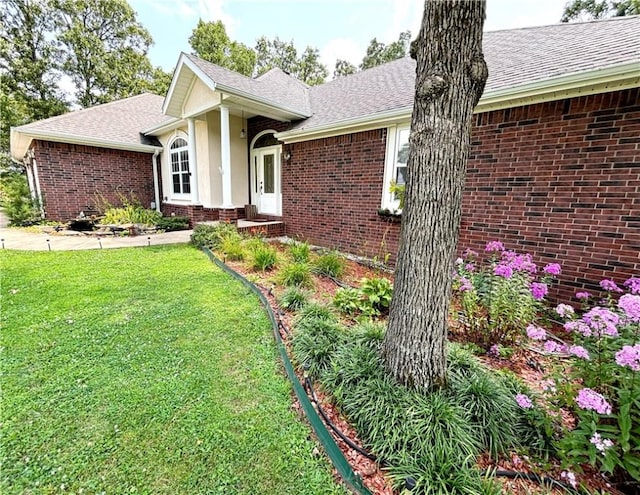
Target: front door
267, 168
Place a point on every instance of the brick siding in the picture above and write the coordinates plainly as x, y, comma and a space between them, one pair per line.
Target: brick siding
73, 177
560, 180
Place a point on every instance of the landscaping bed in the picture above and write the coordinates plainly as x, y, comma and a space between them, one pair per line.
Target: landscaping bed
525, 359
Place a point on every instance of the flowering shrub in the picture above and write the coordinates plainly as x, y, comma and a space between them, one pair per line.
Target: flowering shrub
598, 379
499, 299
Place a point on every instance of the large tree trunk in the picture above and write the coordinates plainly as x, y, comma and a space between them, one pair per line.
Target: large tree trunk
450, 77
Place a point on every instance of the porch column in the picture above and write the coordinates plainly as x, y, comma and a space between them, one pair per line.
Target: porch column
193, 160
225, 155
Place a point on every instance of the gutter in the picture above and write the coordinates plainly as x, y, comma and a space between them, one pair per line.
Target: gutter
61, 137
618, 77
156, 185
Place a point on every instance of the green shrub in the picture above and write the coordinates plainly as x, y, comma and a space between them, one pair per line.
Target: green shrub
293, 299
433, 437
330, 264
315, 343
299, 251
131, 213
314, 310
378, 292
232, 248
170, 224
349, 301
296, 274
21, 208
211, 236
264, 258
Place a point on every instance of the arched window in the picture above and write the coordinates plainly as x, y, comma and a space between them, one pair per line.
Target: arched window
180, 175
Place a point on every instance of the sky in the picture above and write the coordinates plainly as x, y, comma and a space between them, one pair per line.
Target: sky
338, 28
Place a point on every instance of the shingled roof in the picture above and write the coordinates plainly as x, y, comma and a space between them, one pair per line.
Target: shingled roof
531, 59
116, 124
515, 58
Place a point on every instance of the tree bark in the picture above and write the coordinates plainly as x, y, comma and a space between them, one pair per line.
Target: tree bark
450, 78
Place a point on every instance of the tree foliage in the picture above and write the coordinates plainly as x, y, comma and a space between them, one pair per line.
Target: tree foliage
378, 53
276, 53
104, 49
28, 74
450, 76
344, 68
599, 9
209, 41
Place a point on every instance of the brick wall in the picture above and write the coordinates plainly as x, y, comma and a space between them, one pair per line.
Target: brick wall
71, 177
331, 193
560, 180
194, 213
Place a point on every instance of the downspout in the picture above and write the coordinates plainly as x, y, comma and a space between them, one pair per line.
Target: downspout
36, 180
156, 186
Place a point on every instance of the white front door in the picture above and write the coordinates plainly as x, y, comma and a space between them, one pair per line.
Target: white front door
267, 172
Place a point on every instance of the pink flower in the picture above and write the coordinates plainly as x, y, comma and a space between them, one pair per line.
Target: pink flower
590, 400
552, 346
602, 321
570, 477
578, 326
469, 253
536, 333
552, 269
630, 304
494, 351
548, 386
602, 444
524, 401
503, 271
609, 285
539, 290
579, 351
494, 246
633, 284
583, 295
470, 267
564, 310
465, 285
629, 356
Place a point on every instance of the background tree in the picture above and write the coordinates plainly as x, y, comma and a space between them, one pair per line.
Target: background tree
450, 76
276, 53
28, 72
598, 9
209, 41
344, 68
378, 53
103, 49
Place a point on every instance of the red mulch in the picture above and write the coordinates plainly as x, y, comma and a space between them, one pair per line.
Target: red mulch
527, 364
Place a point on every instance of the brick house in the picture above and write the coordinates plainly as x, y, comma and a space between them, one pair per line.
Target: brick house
554, 166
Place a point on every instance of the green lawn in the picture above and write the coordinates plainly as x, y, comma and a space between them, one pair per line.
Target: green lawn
143, 370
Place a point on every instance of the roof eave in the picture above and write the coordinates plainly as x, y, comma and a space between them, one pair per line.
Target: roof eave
21, 140
621, 76
164, 127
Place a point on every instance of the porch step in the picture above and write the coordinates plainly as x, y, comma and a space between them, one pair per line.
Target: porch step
265, 228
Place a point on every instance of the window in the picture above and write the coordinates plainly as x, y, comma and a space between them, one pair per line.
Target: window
396, 166
180, 175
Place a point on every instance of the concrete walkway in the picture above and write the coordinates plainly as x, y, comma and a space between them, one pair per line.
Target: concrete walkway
13, 238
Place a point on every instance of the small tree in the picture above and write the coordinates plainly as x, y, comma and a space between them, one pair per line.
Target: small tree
450, 77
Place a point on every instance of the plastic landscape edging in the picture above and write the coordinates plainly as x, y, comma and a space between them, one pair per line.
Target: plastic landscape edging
351, 479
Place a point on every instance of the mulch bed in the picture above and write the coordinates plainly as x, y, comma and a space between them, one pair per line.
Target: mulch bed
528, 365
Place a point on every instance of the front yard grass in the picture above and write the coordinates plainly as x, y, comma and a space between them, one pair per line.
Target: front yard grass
143, 370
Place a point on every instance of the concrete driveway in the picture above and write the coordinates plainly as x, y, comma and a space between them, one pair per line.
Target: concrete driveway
13, 238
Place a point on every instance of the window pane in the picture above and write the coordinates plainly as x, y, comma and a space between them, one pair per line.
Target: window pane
176, 184
184, 160
186, 185
401, 175
269, 174
178, 143
403, 146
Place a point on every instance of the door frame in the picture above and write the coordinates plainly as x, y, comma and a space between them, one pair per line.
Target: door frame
254, 157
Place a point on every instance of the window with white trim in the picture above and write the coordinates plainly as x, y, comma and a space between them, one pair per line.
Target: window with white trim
179, 160
396, 164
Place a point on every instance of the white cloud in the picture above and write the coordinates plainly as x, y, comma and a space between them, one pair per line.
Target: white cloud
405, 15
213, 10
341, 48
